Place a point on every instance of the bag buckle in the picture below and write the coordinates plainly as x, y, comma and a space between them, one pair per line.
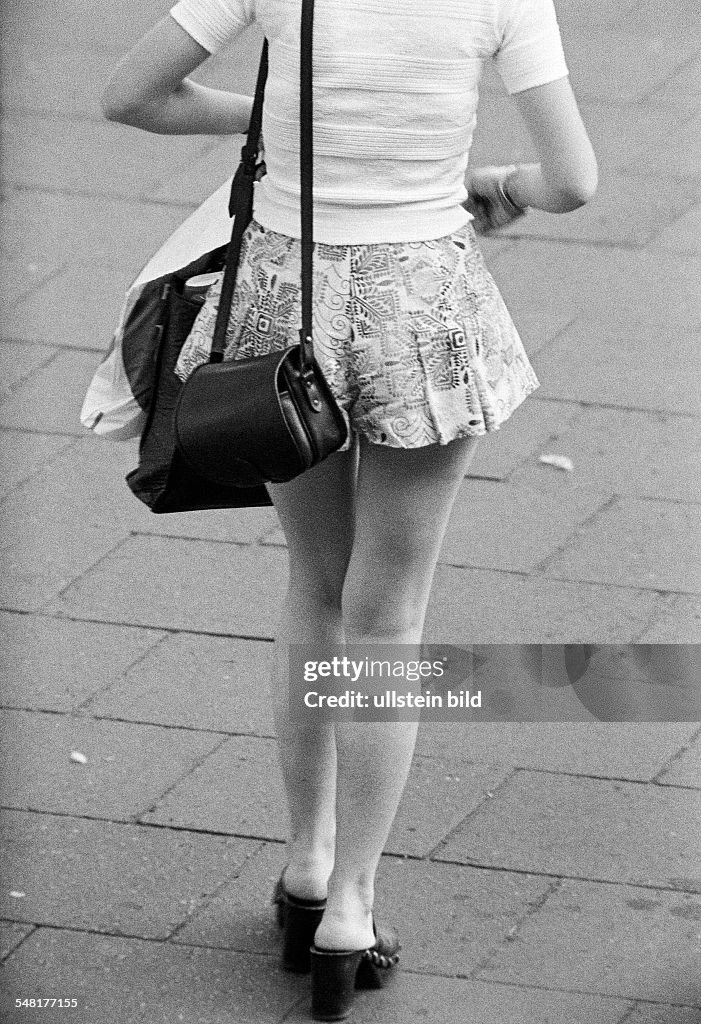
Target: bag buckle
311, 389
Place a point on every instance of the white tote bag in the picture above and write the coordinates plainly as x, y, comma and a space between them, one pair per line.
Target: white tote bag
117, 400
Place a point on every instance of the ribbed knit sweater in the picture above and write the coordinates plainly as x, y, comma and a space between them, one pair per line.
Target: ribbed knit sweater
395, 103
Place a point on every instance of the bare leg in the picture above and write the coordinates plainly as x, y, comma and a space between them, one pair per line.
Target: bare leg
317, 514
403, 503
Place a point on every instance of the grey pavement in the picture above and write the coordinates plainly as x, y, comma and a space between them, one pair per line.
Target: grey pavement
538, 872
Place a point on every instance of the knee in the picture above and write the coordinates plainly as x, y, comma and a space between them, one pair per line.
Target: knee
387, 595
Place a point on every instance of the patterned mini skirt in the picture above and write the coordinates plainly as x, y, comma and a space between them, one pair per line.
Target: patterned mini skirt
413, 338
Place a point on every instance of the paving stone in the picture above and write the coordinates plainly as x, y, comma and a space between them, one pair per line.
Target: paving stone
77, 77
649, 951
11, 935
21, 455
620, 289
54, 664
240, 916
119, 233
569, 12
601, 364
196, 682
655, 1014
627, 65
439, 794
669, 23
86, 321
98, 158
133, 981
19, 278
588, 828
88, 485
516, 688
421, 999
497, 526
211, 587
627, 209
105, 877
200, 178
236, 790
479, 606
42, 555
635, 544
46, 25
128, 766
448, 915
51, 398
644, 454
621, 133
500, 453
679, 621
619, 750
685, 770
686, 149
684, 234
18, 361
682, 86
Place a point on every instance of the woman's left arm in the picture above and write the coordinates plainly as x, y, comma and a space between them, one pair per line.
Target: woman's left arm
149, 89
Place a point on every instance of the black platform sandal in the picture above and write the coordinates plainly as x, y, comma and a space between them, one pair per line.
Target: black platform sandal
299, 920
336, 975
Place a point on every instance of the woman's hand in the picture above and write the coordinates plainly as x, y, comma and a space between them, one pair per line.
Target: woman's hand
487, 201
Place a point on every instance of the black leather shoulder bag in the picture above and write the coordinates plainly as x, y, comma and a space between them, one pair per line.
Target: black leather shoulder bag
266, 419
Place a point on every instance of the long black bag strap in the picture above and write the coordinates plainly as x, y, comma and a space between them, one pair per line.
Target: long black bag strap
306, 170
241, 204
240, 208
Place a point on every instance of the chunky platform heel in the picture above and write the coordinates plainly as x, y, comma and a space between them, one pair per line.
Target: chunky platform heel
299, 920
337, 974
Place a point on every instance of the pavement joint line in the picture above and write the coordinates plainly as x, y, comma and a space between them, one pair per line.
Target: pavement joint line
122, 677
676, 756
583, 403
12, 390
531, 907
664, 607
134, 199
38, 470
171, 630
57, 595
628, 1014
613, 996
568, 772
608, 503
487, 796
195, 764
78, 713
677, 70
535, 872
40, 283
23, 938
197, 906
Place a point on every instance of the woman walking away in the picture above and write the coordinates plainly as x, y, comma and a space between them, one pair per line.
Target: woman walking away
413, 338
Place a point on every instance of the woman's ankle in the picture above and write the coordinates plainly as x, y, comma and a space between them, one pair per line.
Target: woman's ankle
306, 876
351, 930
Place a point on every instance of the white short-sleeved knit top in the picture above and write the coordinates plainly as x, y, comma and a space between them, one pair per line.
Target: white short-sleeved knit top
395, 100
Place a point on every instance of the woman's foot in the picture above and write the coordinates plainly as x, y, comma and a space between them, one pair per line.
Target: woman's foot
351, 930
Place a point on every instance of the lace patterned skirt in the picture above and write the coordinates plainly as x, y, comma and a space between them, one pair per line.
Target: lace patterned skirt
413, 337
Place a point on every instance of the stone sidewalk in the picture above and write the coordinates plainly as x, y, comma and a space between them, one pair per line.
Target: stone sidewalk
538, 872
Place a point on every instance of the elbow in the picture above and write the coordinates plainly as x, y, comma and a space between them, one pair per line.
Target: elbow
579, 195
116, 107
580, 189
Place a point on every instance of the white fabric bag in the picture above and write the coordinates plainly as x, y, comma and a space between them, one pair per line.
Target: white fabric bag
116, 403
